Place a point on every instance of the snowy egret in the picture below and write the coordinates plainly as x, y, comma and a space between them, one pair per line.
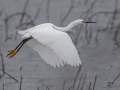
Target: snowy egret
52, 43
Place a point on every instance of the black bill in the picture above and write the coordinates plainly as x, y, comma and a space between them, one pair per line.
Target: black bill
89, 22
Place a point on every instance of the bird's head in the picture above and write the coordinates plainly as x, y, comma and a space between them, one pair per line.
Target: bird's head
80, 21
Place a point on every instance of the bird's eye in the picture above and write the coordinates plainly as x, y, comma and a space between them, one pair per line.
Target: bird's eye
83, 21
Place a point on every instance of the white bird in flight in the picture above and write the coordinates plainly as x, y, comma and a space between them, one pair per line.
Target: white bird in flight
52, 43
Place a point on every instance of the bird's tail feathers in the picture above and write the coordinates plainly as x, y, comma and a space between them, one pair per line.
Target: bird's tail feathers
21, 32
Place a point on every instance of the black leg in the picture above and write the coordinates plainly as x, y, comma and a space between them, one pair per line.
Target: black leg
18, 48
13, 52
22, 43
19, 44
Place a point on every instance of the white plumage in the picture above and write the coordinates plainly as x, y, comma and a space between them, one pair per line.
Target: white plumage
53, 44
55, 47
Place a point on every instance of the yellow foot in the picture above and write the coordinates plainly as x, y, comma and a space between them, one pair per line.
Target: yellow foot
12, 53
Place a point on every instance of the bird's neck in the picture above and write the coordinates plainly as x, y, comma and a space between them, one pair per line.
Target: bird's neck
68, 28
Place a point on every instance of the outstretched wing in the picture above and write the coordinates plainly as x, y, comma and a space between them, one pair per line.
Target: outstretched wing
54, 46
59, 42
46, 53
